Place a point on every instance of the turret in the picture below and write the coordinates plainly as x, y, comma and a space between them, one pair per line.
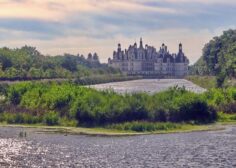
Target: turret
95, 57
90, 57
119, 47
163, 45
180, 47
141, 43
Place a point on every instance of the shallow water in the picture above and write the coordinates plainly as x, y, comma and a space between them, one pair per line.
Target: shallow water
198, 149
148, 85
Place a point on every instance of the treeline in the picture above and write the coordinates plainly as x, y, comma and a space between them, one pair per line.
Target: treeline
70, 104
28, 63
219, 58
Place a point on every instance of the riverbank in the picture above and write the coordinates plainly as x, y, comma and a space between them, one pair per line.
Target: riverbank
99, 131
206, 82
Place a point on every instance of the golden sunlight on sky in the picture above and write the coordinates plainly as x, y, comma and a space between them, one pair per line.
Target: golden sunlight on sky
83, 26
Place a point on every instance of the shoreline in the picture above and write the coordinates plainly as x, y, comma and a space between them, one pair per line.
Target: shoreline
117, 133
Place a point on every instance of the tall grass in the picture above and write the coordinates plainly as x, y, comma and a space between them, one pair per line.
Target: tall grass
144, 126
206, 82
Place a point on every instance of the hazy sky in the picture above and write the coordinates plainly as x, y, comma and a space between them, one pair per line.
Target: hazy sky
82, 26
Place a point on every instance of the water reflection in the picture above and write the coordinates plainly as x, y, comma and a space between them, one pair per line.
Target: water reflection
199, 149
148, 85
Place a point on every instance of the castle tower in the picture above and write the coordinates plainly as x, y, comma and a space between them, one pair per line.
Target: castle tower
180, 47
141, 43
163, 45
119, 47
165, 48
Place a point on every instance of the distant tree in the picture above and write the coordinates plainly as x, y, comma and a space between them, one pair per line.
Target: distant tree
35, 73
29, 62
5, 62
219, 56
69, 63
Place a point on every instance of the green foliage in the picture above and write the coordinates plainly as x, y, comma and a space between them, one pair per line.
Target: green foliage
219, 58
222, 99
144, 126
178, 105
68, 122
20, 118
220, 79
14, 93
89, 107
206, 82
223, 117
28, 63
51, 118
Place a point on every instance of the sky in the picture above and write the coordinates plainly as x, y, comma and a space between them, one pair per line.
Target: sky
83, 26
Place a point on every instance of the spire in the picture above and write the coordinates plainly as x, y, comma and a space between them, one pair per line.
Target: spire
119, 47
163, 45
180, 47
141, 43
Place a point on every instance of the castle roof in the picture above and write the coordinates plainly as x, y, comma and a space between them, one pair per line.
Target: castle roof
167, 57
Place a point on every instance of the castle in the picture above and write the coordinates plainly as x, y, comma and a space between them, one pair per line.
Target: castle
147, 61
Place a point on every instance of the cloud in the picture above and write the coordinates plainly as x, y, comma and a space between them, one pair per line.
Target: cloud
202, 1
58, 10
58, 26
192, 41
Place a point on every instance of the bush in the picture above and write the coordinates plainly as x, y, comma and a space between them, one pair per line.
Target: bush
192, 108
67, 122
51, 118
222, 117
3, 89
60, 103
19, 118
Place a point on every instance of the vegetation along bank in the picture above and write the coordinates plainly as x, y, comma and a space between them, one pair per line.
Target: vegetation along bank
67, 104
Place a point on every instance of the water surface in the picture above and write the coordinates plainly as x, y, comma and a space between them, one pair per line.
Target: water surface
148, 85
198, 149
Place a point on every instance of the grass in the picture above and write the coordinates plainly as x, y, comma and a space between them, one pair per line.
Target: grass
145, 126
225, 119
99, 131
206, 82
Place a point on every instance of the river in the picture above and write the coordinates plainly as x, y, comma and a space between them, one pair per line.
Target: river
148, 85
198, 149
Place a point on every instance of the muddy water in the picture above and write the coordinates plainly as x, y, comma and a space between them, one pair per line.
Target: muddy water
148, 85
199, 149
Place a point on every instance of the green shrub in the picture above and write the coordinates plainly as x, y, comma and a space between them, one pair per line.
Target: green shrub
223, 117
3, 89
7, 117
19, 118
68, 122
91, 107
51, 118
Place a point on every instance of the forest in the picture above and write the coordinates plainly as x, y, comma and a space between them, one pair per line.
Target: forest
28, 63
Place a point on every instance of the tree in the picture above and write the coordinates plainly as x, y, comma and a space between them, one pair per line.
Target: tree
219, 57
69, 63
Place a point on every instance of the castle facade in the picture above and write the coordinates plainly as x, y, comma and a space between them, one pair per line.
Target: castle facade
147, 61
